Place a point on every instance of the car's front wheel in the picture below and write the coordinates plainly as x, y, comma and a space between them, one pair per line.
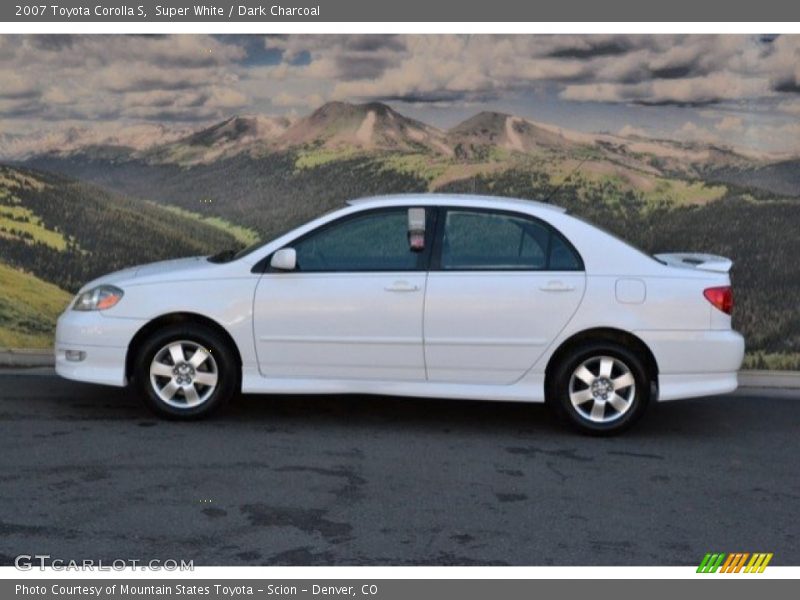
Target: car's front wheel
186, 372
601, 388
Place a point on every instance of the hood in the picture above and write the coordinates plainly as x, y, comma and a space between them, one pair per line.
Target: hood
171, 267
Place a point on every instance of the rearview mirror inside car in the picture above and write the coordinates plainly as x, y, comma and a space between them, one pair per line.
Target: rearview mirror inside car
416, 229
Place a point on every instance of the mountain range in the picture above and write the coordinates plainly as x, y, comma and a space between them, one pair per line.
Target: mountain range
338, 130
372, 126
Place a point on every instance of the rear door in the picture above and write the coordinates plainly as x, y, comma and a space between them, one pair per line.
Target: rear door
502, 285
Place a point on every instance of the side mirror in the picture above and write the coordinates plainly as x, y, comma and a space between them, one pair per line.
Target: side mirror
284, 259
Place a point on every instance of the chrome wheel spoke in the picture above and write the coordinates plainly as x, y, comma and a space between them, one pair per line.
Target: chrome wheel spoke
176, 352
204, 378
190, 393
198, 358
169, 390
160, 369
585, 375
618, 402
606, 364
581, 396
623, 381
598, 410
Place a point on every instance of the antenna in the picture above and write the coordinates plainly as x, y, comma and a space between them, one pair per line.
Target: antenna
566, 179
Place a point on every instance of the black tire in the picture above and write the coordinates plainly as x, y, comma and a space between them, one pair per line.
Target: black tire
220, 365
565, 383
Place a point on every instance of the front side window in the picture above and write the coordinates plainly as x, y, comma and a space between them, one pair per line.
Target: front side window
376, 241
482, 240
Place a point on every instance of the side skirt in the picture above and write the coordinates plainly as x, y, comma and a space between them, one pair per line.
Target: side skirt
529, 389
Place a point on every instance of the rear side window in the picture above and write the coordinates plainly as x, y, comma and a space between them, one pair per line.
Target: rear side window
486, 240
562, 256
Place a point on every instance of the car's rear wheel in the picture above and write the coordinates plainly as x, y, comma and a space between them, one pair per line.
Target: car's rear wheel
601, 388
186, 372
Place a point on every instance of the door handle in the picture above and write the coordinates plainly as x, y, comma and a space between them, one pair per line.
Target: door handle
401, 286
557, 286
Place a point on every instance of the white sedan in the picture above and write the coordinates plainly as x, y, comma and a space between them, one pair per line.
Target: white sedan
446, 296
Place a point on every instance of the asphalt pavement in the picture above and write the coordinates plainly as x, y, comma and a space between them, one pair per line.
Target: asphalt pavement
87, 473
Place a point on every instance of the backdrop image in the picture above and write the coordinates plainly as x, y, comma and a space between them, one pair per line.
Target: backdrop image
120, 150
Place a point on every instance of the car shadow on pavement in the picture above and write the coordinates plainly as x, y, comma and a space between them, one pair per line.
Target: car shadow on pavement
69, 400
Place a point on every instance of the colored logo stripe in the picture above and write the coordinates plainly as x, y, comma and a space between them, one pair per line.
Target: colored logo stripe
734, 562
710, 563
758, 563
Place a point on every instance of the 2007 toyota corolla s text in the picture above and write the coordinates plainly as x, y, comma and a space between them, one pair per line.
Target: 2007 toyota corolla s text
417, 295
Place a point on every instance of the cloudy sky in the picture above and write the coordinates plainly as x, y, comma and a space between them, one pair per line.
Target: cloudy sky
737, 90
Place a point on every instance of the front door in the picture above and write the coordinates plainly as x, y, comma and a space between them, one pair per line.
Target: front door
352, 309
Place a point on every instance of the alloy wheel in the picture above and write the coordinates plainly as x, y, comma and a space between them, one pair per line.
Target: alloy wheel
183, 374
602, 389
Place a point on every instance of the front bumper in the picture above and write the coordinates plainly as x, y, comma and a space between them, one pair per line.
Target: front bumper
92, 347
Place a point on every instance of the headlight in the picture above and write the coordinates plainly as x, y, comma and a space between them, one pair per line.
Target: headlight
100, 298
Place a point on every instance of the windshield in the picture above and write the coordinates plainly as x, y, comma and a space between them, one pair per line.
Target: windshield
248, 249
231, 254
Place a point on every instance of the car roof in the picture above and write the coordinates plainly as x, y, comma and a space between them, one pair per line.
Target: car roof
471, 200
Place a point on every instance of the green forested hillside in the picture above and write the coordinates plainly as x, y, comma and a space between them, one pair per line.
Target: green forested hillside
268, 193
273, 191
57, 233
28, 309
67, 232
779, 178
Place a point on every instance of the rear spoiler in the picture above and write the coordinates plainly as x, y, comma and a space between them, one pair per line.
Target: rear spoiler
693, 260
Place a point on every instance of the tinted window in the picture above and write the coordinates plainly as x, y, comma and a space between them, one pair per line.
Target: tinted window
562, 256
484, 241
377, 241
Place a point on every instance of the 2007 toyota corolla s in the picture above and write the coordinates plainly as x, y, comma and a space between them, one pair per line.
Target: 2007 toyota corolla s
417, 295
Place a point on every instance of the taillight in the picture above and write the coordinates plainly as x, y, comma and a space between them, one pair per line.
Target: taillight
721, 297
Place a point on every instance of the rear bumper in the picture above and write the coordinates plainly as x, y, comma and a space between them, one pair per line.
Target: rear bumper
695, 363
93, 348
677, 387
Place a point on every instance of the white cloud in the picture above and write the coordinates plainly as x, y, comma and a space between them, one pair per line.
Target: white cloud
75, 134
227, 98
59, 79
716, 87
97, 72
791, 107
90, 77
692, 132
56, 95
629, 130
16, 85
730, 124
682, 69
292, 100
